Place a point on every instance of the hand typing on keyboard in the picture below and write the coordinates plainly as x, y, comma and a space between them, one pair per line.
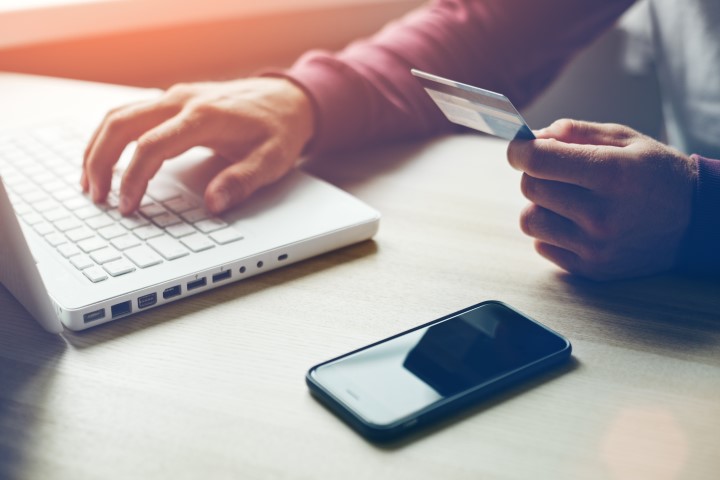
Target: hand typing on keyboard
40, 171
260, 125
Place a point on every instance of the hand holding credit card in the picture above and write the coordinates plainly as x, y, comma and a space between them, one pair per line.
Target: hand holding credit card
476, 108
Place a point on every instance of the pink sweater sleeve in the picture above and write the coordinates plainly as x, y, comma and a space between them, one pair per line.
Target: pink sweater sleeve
365, 94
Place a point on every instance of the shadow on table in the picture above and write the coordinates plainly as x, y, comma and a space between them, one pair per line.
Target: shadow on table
28, 356
671, 315
228, 293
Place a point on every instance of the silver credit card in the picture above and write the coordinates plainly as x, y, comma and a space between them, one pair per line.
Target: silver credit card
476, 108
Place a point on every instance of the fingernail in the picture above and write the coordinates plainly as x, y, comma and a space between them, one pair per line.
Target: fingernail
221, 200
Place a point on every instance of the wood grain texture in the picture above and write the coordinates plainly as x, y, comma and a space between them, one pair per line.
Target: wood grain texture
212, 387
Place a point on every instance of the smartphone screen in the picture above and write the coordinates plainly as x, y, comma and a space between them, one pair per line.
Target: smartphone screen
402, 377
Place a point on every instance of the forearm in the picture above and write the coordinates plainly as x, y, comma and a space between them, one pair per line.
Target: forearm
365, 94
701, 251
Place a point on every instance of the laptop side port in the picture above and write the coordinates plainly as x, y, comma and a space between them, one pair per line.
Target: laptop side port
147, 300
200, 282
93, 316
120, 309
171, 292
219, 277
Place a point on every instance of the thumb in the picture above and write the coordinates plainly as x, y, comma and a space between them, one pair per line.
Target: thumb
234, 184
587, 133
240, 180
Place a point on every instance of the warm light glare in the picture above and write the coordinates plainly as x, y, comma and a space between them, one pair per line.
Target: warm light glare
645, 443
9, 5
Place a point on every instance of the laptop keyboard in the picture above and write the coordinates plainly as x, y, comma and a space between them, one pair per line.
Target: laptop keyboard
41, 170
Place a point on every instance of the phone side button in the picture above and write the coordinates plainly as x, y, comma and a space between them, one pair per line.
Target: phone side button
411, 423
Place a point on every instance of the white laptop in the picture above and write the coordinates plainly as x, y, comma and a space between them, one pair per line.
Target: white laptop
75, 264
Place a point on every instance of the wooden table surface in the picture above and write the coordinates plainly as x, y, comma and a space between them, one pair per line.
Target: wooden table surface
213, 386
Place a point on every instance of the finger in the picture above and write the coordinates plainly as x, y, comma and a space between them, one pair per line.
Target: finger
561, 257
174, 136
587, 166
119, 128
588, 133
549, 227
569, 201
96, 132
240, 180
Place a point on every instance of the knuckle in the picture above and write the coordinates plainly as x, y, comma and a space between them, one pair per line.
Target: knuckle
198, 109
598, 254
146, 144
180, 90
602, 225
528, 186
534, 161
566, 126
529, 218
623, 131
115, 120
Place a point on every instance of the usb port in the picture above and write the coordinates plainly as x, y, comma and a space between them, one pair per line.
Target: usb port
121, 309
282, 257
200, 282
219, 277
171, 292
147, 300
92, 316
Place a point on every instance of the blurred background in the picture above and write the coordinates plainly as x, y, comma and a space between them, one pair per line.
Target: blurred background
155, 43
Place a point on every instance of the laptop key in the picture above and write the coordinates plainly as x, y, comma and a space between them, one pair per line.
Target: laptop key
82, 261
226, 235
77, 201
148, 231
95, 274
43, 228
143, 256
166, 219
77, 234
55, 214
124, 242
119, 267
100, 221
66, 224
195, 215
210, 225
180, 204
68, 250
32, 218
152, 210
162, 192
88, 212
55, 239
168, 247
197, 242
91, 244
105, 255
133, 221
111, 231
180, 230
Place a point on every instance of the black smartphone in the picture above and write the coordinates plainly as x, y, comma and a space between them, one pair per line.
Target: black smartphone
411, 379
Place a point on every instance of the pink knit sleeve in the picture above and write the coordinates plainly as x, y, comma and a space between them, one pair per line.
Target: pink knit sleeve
365, 94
